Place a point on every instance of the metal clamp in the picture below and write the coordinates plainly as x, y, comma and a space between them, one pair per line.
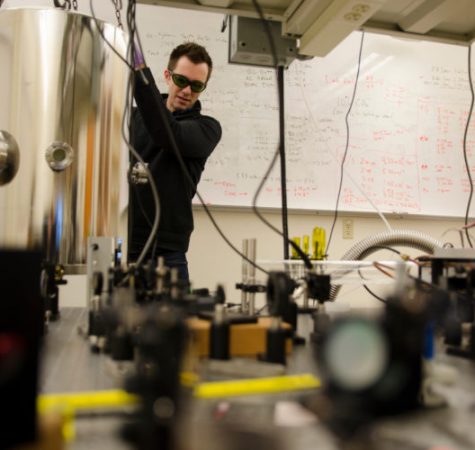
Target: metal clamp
138, 174
59, 156
9, 157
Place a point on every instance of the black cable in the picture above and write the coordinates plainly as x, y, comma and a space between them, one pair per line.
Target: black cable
93, 14
345, 153
465, 156
126, 119
287, 241
385, 247
379, 247
146, 217
462, 242
283, 172
132, 33
131, 25
377, 297
259, 311
141, 206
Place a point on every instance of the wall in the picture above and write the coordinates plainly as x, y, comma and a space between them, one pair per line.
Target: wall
211, 261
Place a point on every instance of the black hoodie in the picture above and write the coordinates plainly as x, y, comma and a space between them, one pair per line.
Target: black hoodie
197, 136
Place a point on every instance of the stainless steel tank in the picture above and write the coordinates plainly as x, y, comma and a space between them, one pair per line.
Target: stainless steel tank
62, 164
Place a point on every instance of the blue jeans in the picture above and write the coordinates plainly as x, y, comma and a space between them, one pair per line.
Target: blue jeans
178, 260
172, 259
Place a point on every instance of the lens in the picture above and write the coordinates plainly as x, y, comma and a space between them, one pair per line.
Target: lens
197, 86
180, 81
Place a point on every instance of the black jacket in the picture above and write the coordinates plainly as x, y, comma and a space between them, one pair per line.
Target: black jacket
197, 136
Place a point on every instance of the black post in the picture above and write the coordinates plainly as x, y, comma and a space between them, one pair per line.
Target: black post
283, 179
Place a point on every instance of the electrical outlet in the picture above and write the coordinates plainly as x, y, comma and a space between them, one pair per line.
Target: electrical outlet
348, 229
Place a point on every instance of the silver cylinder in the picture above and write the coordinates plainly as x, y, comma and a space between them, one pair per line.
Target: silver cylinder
63, 94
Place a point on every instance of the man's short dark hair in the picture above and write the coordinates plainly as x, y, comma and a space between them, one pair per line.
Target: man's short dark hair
194, 52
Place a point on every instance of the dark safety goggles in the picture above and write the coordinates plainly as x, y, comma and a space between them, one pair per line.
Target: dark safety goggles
182, 82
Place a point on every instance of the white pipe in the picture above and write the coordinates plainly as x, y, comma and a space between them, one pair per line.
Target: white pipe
406, 238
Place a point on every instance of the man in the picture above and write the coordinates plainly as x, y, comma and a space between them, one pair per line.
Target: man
189, 69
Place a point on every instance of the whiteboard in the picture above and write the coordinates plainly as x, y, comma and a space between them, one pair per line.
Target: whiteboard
406, 125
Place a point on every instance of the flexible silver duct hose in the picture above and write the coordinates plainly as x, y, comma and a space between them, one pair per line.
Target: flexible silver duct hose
406, 238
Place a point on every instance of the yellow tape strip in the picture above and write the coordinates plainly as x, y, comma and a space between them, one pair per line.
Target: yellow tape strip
255, 386
85, 400
67, 404
89, 400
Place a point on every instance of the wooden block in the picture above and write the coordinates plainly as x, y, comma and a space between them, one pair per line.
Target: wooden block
246, 339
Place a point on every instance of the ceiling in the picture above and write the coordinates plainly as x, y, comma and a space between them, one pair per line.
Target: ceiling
320, 25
